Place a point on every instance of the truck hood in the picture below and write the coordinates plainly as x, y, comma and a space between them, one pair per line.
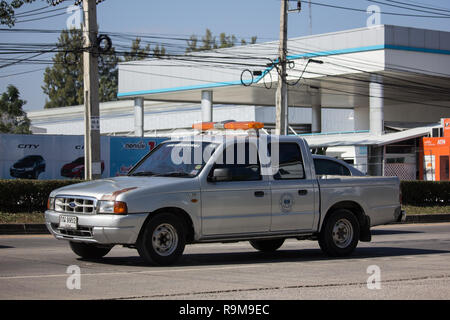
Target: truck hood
100, 188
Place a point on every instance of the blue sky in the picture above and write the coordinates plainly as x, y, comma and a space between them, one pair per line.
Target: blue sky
243, 18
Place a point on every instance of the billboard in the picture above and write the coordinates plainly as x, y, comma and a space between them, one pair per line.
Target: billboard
46, 157
127, 151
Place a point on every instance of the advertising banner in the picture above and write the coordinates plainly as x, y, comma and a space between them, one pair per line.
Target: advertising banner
47, 157
127, 151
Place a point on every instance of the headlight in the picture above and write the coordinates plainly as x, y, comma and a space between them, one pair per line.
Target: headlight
77, 168
51, 203
112, 207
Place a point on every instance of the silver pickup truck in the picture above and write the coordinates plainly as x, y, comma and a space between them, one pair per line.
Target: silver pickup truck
209, 189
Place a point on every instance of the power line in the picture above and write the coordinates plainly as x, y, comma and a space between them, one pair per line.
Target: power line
41, 18
419, 5
407, 8
384, 12
31, 11
22, 15
20, 73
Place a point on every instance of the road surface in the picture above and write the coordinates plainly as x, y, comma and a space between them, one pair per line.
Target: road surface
412, 262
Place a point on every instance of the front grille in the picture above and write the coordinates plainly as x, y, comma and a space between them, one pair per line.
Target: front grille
80, 232
81, 205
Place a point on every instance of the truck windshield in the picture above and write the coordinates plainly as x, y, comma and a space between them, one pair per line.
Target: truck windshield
175, 159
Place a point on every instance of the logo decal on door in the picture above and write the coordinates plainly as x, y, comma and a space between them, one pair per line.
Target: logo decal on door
286, 202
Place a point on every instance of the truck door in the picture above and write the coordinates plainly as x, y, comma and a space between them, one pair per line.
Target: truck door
293, 193
242, 203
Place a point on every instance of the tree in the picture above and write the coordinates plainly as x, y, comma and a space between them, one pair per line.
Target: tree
63, 82
159, 51
252, 41
12, 117
137, 53
227, 41
209, 42
8, 10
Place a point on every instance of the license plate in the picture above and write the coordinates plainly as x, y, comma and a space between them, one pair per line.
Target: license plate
68, 222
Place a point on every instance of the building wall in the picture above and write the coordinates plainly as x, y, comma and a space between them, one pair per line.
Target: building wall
409, 115
121, 121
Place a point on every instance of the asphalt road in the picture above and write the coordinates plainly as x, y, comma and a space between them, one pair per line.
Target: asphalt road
413, 261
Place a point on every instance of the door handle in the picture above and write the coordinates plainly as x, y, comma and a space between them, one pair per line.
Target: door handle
302, 192
259, 193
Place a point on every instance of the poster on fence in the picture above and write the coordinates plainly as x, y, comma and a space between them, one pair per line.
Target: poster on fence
46, 157
127, 151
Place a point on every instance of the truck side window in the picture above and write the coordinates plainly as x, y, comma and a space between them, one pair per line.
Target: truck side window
329, 167
290, 162
242, 160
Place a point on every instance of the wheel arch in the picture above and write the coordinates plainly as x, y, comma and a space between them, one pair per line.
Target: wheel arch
357, 210
182, 214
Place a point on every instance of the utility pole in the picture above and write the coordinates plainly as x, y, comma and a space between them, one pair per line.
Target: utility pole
92, 161
281, 100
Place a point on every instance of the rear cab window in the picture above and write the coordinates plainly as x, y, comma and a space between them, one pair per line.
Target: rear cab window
330, 167
290, 161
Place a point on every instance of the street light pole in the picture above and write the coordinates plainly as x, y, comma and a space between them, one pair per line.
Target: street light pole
281, 100
92, 162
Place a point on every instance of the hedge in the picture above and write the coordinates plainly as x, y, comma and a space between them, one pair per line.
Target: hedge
425, 193
28, 195
31, 195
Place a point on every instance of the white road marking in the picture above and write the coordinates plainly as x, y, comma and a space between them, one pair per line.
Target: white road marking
133, 272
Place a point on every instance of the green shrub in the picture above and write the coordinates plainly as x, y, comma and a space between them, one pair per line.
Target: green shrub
28, 195
426, 193
31, 195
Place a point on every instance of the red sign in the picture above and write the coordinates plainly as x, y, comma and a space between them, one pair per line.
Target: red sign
446, 127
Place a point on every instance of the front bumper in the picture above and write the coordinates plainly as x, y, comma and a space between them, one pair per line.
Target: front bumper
98, 228
20, 174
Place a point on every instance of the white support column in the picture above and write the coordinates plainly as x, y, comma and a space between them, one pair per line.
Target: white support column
139, 117
316, 108
376, 105
207, 106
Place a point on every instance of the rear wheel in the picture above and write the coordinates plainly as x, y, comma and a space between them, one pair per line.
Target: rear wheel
267, 245
340, 233
163, 240
89, 251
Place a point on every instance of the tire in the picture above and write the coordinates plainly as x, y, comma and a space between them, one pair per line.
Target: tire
162, 240
340, 234
267, 245
89, 251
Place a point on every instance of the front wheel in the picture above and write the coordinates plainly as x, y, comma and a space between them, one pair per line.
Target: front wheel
163, 240
267, 245
340, 233
89, 251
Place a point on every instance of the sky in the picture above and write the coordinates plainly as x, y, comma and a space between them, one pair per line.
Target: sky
181, 18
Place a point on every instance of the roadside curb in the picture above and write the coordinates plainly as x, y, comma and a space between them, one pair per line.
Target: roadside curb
427, 218
24, 228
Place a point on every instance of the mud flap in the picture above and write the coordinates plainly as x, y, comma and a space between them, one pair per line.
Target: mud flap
365, 235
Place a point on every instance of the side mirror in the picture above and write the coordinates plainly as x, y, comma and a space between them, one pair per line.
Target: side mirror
221, 174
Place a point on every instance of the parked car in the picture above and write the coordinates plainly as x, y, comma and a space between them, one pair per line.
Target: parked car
29, 167
164, 204
325, 165
75, 169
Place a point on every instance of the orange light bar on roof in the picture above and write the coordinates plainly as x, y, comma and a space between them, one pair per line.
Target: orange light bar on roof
203, 126
244, 125
233, 125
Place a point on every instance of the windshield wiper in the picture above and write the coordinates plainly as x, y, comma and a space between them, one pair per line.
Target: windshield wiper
175, 174
144, 173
